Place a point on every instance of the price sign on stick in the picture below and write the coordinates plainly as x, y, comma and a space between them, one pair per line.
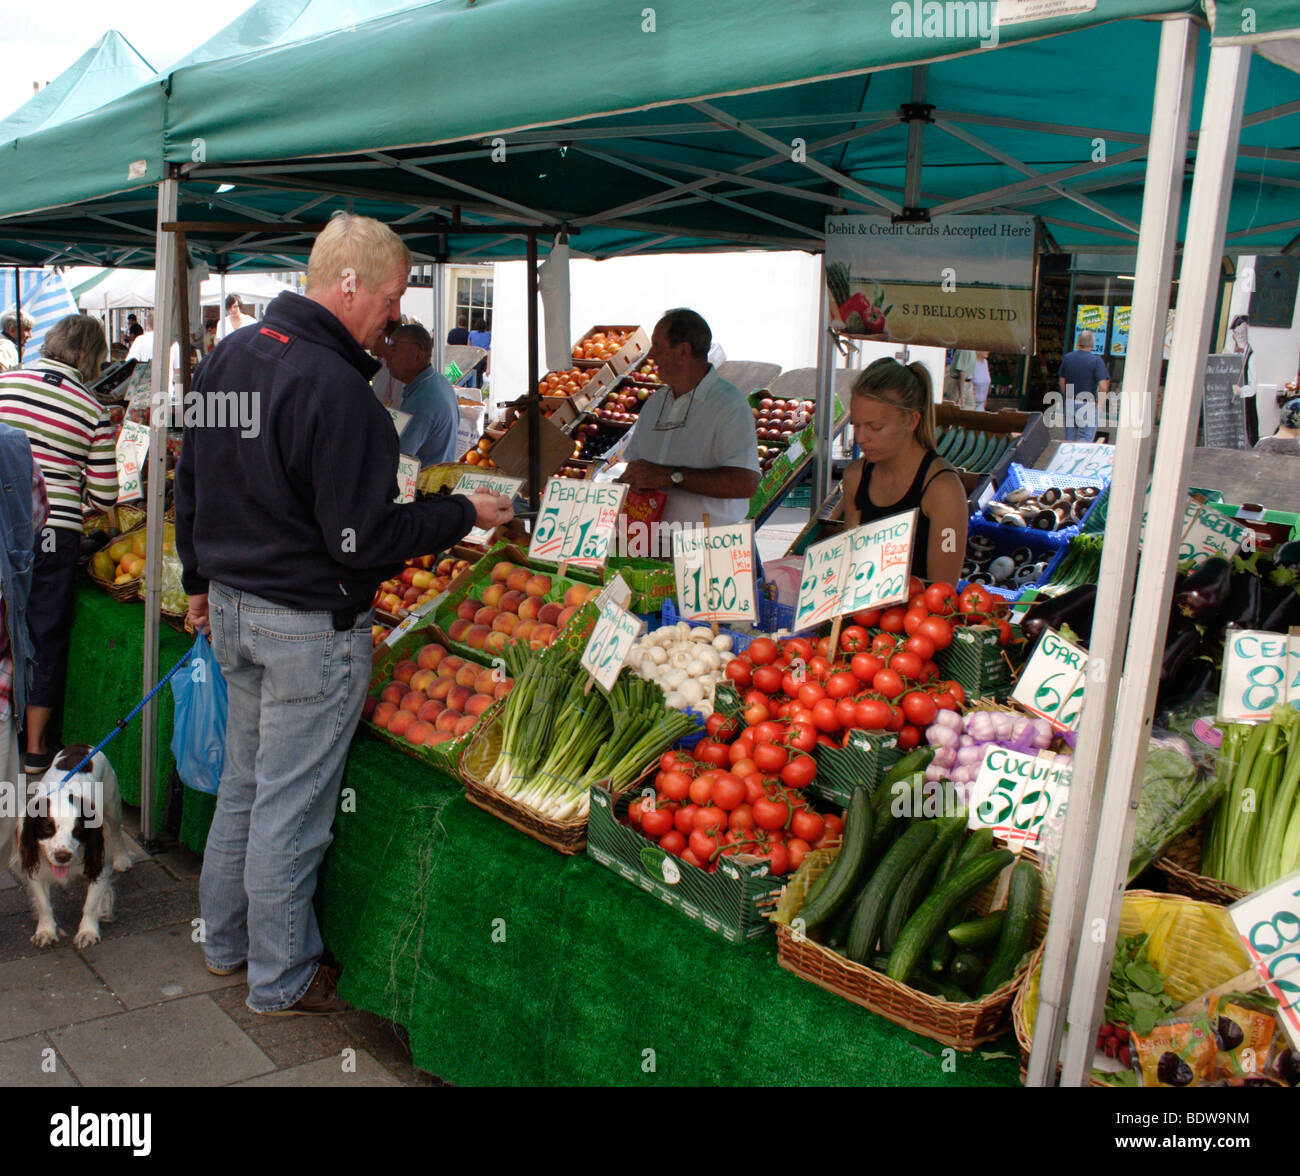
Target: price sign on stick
576, 521
132, 449
1015, 793
1268, 922
473, 481
1203, 532
1052, 684
1082, 459
867, 567
408, 473
715, 572
611, 641
1259, 671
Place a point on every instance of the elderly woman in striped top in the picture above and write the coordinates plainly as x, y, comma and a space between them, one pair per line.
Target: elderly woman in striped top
72, 442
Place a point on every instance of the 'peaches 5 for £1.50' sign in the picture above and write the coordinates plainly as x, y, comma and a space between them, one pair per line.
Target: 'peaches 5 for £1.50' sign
576, 521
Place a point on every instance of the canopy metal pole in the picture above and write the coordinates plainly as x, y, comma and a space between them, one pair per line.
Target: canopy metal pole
439, 317
824, 410
1152, 282
164, 301
18, 311
1216, 150
534, 378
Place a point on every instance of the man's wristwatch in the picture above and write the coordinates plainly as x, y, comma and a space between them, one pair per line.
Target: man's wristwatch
677, 477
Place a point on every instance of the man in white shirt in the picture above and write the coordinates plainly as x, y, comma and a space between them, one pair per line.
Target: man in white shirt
234, 317
694, 438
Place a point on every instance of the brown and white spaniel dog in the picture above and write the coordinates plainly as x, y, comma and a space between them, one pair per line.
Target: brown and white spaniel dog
70, 829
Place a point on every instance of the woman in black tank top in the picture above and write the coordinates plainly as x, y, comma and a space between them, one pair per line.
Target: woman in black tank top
892, 414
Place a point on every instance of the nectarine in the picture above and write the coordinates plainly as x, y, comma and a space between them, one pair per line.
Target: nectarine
501, 573
478, 703
495, 642
550, 613
486, 615
438, 737
484, 681
448, 719
458, 698
493, 593
450, 664
524, 630
442, 687
510, 601
458, 628
530, 608
501, 689
565, 615
575, 596
368, 707
504, 622
466, 725
403, 671
543, 635
466, 676
423, 679
518, 579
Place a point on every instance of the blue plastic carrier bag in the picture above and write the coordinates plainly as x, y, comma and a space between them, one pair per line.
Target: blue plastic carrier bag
199, 727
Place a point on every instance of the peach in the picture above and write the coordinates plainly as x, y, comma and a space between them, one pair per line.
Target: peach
400, 721
418, 732
501, 573
495, 642
383, 713
466, 609
501, 689
575, 596
504, 622
510, 601
458, 628
368, 707
486, 615
404, 670
448, 719
550, 613
476, 637
518, 579
566, 614
484, 681
524, 630
441, 688
478, 703
438, 737
412, 700
466, 676
466, 725
393, 692
543, 635
423, 679
430, 710
449, 665
458, 698
430, 655
530, 609
538, 585
493, 593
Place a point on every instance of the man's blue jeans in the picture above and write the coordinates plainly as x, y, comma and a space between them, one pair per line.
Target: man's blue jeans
295, 688
1080, 415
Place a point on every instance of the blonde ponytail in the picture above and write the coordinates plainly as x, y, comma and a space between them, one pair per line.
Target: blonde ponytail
907, 388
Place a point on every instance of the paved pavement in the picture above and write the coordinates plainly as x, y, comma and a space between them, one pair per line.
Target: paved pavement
140, 1009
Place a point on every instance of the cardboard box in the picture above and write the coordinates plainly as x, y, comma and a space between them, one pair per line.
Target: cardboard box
633, 351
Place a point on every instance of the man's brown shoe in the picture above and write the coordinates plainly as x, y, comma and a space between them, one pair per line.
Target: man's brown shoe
321, 997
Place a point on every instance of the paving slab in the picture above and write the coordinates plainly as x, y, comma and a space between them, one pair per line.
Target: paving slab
33, 1062
153, 966
329, 1072
185, 1042
52, 989
287, 1041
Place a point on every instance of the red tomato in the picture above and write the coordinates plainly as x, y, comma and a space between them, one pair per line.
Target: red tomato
868, 618
803, 735
929, 672
710, 817
916, 601
937, 630
974, 599
919, 708
882, 645
800, 713
799, 772
908, 738
854, 639
914, 585
673, 841
676, 785
766, 732
866, 666
657, 822
846, 711
742, 768
762, 651
778, 858
754, 789
702, 845
701, 789
688, 855
888, 682
871, 714
920, 645
818, 667
722, 728
754, 714
715, 754
771, 814
798, 647
798, 849
729, 790
791, 681
742, 816
945, 700
742, 749
768, 679
957, 690
843, 683
941, 598
897, 721
891, 620
822, 647
810, 694
907, 664
913, 618
824, 716
770, 757
679, 760
834, 825
1004, 629
684, 819
807, 825
636, 810
739, 673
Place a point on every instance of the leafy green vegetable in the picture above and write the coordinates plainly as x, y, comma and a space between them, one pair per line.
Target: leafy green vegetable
1175, 794
1136, 994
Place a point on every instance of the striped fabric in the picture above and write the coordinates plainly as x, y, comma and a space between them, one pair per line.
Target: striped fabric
45, 298
70, 434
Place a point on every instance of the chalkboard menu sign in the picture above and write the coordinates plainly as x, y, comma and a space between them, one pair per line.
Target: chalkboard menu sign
1223, 419
1272, 304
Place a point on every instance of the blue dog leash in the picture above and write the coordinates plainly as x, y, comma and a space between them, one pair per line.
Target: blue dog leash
121, 724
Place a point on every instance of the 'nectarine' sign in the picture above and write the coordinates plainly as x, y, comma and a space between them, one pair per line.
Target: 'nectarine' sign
576, 520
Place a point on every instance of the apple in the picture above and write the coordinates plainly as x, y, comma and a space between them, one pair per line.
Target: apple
441, 688
495, 642
524, 629
476, 636
518, 579
430, 710
530, 608
458, 628
504, 623
478, 703
511, 602
501, 573
404, 671
412, 700
493, 593
368, 707
538, 585
394, 692
566, 614
423, 679
418, 732
550, 613
430, 655
466, 725
383, 714
400, 721
501, 689
466, 609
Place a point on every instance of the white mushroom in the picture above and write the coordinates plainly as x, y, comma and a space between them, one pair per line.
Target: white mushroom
722, 642
674, 700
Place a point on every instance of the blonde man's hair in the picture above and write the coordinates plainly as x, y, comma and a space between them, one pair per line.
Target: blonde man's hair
77, 340
360, 243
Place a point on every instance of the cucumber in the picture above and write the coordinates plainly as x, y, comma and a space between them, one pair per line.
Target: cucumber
977, 932
843, 920
979, 453
916, 760
942, 989
846, 867
960, 442
929, 918
942, 949
918, 878
1017, 929
979, 842
963, 458
966, 969
873, 907
941, 439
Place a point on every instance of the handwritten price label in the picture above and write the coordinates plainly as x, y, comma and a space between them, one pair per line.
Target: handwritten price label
1259, 671
575, 522
474, 481
1083, 460
132, 449
1015, 794
1268, 922
1204, 532
611, 641
1053, 683
715, 572
867, 567
408, 472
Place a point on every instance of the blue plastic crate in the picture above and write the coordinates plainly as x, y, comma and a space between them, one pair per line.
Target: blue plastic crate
1020, 478
1007, 539
739, 641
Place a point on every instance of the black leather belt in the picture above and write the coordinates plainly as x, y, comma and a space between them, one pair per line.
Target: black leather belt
346, 618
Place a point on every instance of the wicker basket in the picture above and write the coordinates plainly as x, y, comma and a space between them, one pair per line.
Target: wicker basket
1192, 963
962, 1026
1181, 863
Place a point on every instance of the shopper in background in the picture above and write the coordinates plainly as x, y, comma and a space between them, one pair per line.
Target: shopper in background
387, 389
233, 319
1084, 382
480, 336
892, 414
458, 336
1287, 437
1245, 391
280, 564
9, 337
694, 438
982, 381
72, 441
962, 370
428, 398
133, 329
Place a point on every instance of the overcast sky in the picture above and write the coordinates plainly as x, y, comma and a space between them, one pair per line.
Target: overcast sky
41, 38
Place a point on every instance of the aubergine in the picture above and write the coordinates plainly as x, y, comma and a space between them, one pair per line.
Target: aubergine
1284, 614
1073, 608
1204, 593
1176, 663
1288, 555
1242, 608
